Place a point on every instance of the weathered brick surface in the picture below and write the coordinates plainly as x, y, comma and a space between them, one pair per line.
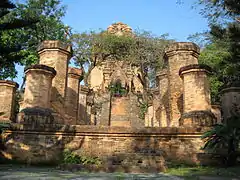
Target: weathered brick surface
196, 94
83, 116
152, 118
38, 86
72, 95
7, 100
163, 111
108, 143
230, 101
120, 107
56, 54
178, 55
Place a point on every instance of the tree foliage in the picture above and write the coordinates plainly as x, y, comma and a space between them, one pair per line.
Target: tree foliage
49, 26
220, 11
221, 45
142, 49
9, 50
224, 139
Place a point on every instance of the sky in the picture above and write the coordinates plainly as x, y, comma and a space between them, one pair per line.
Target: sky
175, 17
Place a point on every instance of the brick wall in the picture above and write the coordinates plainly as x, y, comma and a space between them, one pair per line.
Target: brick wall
35, 145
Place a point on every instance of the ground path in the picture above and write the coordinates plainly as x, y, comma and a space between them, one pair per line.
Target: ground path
33, 173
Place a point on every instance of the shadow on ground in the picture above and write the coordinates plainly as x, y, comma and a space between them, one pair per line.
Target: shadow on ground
35, 173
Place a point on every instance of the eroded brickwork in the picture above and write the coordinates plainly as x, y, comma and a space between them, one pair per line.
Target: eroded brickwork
72, 95
163, 110
7, 100
38, 86
56, 54
83, 115
196, 94
230, 101
178, 55
107, 143
99, 120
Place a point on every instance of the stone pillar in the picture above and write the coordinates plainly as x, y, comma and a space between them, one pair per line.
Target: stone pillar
83, 115
36, 102
163, 112
38, 86
196, 96
178, 55
56, 54
230, 102
106, 75
72, 95
7, 100
148, 119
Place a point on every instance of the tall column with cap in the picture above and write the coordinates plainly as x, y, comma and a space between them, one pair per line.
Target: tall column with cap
56, 54
178, 54
36, 103
196, 96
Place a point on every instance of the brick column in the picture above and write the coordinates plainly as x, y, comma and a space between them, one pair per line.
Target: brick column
196, 96
230, 102
83, 115
37, 95
178, 55
106, 75
163, 110
56, 54
38, 86
7, 100
72, 95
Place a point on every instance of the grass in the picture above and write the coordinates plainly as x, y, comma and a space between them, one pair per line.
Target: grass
192, 173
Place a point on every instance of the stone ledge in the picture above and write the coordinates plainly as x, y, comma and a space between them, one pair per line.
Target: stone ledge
207, 68
41, 67
161, 73
197, 118
37, 111
230, 89
11, 83
54, 44
75, 73
107, 130
84, 89
184, 46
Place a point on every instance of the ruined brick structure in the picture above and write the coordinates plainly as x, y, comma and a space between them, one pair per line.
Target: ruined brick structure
58, 113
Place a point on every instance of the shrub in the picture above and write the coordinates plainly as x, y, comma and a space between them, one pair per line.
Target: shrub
73, 158
224, 138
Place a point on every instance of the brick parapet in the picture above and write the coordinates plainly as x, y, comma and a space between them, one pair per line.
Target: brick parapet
190, 47
54, 44
41, 69
9, 83
114, 130
195, 68
75, 73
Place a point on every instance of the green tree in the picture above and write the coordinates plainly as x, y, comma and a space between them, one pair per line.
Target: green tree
221, 48
142, 49
9, 50
224, 139
50, 26
220, 11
